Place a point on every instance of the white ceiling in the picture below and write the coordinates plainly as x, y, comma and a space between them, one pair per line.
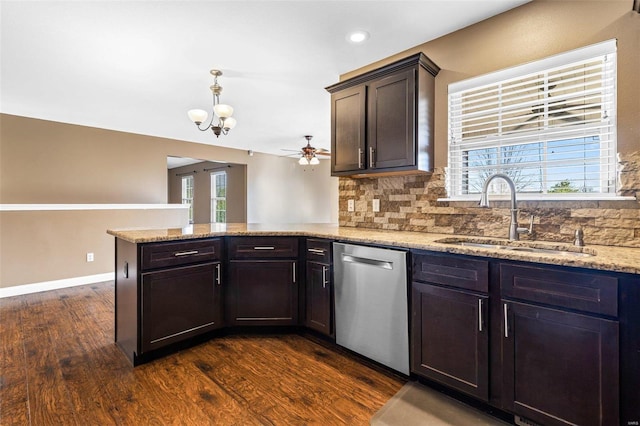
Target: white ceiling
138, 66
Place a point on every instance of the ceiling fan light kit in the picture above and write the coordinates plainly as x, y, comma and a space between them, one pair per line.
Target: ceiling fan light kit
220, 111
308, 154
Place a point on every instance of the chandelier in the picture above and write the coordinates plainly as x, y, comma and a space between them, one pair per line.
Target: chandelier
308, 154
220, 111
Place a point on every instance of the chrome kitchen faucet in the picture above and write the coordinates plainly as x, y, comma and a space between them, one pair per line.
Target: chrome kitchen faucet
514, 230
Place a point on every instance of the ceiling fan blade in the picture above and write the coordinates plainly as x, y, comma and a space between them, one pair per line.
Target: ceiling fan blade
525, 122
325, 153
564, 115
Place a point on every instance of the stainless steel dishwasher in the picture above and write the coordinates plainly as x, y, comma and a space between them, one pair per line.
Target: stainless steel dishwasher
371, 303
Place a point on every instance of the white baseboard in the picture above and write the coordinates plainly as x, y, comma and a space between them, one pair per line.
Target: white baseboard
54, 285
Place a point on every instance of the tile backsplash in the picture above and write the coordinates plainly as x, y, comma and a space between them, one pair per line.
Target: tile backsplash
410, 203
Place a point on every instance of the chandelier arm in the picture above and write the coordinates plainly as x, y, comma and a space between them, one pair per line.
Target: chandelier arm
205, 129
213, 116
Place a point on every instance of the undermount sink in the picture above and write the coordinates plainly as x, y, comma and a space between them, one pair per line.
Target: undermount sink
521, 246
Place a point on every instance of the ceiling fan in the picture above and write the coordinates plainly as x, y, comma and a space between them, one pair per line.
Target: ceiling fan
308, 154
557, 110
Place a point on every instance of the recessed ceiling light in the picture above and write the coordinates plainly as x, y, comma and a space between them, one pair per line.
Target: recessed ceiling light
358, 36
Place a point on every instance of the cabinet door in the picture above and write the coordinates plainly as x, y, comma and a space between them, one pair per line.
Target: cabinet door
348, 129
319, 297
560, 367
263, 292
391, 113
450, 340
180, 303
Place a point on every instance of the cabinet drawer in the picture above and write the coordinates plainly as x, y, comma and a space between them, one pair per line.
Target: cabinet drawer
262, 247
318, 251
589, 292
454, 271
160, 255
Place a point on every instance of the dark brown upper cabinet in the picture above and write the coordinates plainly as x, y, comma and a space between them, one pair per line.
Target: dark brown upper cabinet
382, 121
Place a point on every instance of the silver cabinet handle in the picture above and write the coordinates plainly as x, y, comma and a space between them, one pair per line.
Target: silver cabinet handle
480, 315
294, 272
506, 321
264, 248
372, 152
316, 251
324, 277
185, 253
360, 165
218, 274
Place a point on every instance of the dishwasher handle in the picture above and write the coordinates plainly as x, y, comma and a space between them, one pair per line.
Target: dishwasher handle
366, 261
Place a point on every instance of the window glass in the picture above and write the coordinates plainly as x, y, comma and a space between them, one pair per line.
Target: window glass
187, 194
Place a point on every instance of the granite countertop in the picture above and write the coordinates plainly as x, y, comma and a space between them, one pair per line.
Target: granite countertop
619, 259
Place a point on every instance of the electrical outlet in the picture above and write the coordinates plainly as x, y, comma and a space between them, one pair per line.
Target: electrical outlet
376, 205
351, 205
89, 257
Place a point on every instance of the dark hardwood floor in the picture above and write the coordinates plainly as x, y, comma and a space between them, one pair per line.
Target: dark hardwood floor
60, 366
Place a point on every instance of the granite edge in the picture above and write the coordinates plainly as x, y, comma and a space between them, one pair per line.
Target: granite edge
606, 258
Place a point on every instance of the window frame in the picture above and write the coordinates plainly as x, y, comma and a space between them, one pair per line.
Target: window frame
215, 198
456, 179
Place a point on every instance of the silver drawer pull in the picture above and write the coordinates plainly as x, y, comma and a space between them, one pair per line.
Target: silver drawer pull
316, 251
480, 315
264, 248
185, 253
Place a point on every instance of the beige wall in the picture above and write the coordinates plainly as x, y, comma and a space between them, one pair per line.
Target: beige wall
236, 189
37, 246
530, 32
533, 31
49, 162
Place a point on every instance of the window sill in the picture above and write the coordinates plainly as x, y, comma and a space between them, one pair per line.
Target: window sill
525, 197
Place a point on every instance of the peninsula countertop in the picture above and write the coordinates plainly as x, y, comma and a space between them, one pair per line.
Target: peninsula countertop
606, 258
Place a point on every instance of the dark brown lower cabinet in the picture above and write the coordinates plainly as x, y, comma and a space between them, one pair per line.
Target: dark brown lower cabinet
262, 292
560, 368
450, 341
180, 303
165, 293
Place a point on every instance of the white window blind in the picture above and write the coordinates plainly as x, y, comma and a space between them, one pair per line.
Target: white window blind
550, 125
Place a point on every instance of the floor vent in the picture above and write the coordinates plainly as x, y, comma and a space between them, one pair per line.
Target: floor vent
521, 421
